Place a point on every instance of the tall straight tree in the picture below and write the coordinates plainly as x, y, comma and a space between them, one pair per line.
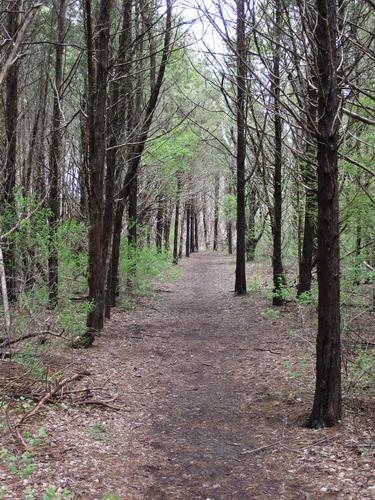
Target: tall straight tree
11, 119
177, 219
55, 158
240, 283
277, 266
97, 85
327, 406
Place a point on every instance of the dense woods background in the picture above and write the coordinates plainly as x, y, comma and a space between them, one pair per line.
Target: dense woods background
136, 132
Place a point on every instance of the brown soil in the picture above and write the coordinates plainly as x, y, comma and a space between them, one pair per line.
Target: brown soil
212, 394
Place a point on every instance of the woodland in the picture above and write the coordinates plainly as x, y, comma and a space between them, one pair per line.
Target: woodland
187, 249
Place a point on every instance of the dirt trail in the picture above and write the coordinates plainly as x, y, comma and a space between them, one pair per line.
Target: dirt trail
208, 412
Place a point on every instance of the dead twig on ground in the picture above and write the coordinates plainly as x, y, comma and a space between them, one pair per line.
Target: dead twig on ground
49, 395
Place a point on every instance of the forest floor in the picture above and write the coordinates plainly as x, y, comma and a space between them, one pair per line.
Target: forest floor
206, 394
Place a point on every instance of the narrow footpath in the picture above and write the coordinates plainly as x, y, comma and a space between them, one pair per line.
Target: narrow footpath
207, 409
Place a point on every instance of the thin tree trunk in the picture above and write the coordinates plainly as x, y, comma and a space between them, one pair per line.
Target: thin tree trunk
167, 229
309, 177
196, 231
176, 221
11, 119
192, 227
4, 292
187, 240
251, 240
182, 225
229, 238
159, 224
204, 218
216, 214
309, 231
327, 408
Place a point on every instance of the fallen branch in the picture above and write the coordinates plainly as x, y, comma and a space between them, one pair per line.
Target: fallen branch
49, 395
99, 403
248, 452
7, 342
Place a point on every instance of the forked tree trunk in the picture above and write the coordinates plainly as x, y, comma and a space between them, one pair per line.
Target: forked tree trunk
240, 282
327, 408
139, 145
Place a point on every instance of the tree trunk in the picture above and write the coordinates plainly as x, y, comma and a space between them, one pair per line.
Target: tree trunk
187, 240
167, 229
310, 182
196, 231
216, 214
205, 227
240, 283
251, 241
11, 118
309, 231
229, 238
159, 224
97, 161
180, 246
192, 227
327, 408
136, 152
176, 222
55, 161
278, 272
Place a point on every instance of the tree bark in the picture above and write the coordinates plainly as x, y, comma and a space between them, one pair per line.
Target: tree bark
216, 214
97, 161
278, 272
251, 239
196, 230
159, 224
188, 222
136, 153
309, 177
55, 161
11, 119
182, 233
192, 227
240, 282
176, 221
327, 408
204, 218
